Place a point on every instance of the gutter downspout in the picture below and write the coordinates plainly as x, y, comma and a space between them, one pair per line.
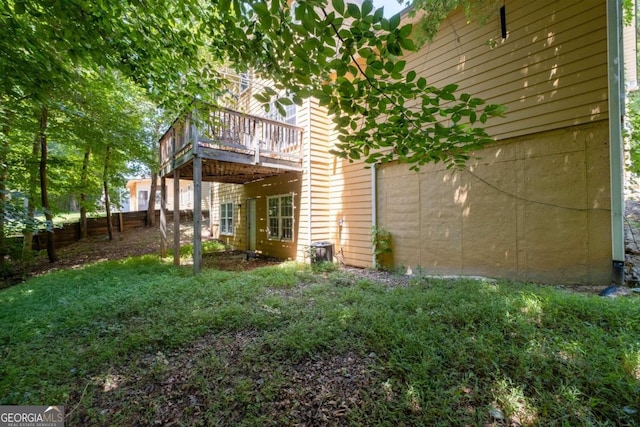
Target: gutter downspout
307, 137
374, 208
616, 159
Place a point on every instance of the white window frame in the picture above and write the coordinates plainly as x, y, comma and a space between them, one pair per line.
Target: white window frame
291, 112
244, 82
280, 223
226, 218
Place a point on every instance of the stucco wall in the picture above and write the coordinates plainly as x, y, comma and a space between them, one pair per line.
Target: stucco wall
532, 208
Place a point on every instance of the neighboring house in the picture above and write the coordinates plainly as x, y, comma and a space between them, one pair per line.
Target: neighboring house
140, 188
543, 204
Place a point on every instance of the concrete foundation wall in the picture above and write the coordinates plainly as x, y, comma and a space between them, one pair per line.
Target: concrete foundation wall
530, 208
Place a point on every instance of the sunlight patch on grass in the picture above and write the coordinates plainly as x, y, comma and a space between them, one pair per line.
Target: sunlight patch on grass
631, 363
513, 402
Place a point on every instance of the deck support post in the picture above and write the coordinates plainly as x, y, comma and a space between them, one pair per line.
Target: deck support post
176, 217
163, 217
197, 214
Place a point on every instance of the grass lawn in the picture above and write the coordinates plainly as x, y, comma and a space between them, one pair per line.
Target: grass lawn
139, 342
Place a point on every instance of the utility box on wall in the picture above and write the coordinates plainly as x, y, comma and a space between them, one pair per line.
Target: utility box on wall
321, 252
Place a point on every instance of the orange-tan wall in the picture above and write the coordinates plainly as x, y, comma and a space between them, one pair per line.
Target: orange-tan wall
534, 208
229, 193
290, 183
536, 205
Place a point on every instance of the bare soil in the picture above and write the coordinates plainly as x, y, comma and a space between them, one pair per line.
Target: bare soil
137, 242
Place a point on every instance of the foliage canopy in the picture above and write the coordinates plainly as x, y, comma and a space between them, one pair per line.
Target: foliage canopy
348, 56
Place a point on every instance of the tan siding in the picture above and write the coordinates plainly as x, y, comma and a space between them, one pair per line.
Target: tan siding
551, 73
285, 184
351, 201
319, 182
144, 184
229, 193
540, 72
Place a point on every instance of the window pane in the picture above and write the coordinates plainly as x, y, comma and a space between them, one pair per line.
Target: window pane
226, 218
274, 231
287, 228
287, 206
273, 206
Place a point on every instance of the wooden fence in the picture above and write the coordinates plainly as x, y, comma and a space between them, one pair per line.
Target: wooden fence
122, 222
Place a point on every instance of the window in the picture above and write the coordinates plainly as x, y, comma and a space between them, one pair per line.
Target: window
244, 81
226, 218
289, 117
280, 217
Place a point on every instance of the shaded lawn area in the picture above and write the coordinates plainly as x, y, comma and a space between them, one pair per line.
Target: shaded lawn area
140, 342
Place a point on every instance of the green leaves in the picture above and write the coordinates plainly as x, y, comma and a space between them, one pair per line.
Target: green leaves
352, 11
346, 55
338, 6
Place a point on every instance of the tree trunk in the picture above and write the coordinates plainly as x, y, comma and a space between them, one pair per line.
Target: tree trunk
105, 183
151, 207
151, 210
84, 231
4, 176
44, 194
27, 245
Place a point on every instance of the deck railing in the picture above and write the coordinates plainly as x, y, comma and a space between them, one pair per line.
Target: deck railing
229, 130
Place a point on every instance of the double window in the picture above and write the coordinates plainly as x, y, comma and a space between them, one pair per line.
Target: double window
226, 218
280, 217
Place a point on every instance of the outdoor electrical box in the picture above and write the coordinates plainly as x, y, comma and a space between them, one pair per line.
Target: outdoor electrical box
321, 251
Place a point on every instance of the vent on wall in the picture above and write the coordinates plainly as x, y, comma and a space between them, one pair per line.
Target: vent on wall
503, 21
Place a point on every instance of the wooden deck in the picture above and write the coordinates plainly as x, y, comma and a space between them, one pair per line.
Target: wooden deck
234, 147
226, 146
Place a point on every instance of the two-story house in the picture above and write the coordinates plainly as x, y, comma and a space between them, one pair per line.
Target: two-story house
544, 203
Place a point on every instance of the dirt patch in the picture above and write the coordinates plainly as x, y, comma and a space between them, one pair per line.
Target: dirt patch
184, 384
137, 242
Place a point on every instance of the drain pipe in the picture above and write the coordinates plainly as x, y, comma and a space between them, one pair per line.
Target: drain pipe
309, 175
374, 209
616, 159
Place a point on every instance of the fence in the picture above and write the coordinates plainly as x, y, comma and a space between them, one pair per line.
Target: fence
69, 233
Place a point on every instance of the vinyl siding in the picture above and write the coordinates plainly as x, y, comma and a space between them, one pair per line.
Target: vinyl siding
535, 205
550, 72
351, 202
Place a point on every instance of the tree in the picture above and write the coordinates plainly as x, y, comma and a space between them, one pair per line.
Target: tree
80, 61
355, 70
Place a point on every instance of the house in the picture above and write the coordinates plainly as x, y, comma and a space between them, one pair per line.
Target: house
544, 203
139, 189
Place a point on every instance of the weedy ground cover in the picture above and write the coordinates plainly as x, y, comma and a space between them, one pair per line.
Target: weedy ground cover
141, 342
